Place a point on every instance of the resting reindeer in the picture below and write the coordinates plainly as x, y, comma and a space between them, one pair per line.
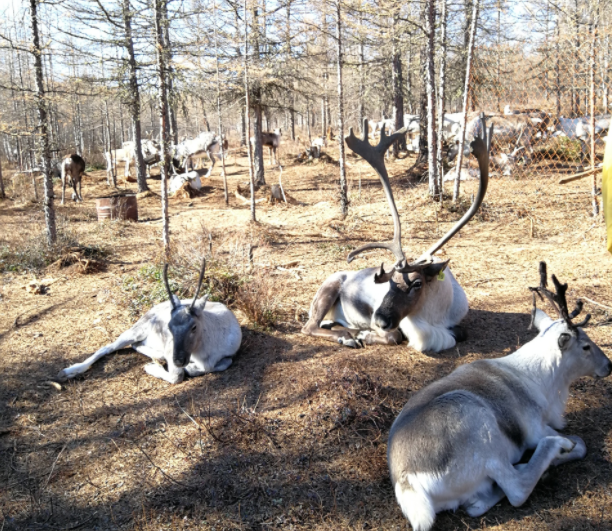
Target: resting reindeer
193, 337
457, 441
417, 299
73, 168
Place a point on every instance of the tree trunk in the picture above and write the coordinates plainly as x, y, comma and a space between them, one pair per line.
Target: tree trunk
162, 90
466, 97
134, 98
2, 194
442, 96
362, 111
592, 110
247, 92
171, 97
398, 96
258, 154
290, 87
343, 183
220, 132
41, 104
432, 142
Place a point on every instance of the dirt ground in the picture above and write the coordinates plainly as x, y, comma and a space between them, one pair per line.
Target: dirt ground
293, 435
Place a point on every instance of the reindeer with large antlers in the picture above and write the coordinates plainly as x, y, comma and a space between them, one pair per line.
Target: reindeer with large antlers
193, 337
458, 441
418, 299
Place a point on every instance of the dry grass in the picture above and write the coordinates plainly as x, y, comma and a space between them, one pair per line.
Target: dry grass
293, 435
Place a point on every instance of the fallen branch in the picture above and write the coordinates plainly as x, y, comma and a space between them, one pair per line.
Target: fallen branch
596, 303
577, 176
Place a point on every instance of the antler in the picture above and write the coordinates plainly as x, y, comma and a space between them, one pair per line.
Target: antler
480, 148
558, 299
168, 287
374, 156
195, 298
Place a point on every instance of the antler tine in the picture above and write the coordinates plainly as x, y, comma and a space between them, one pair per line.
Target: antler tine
560, 290
480, 148
374, 156
195, 298
543, 275
168, 287
577, 309
582, 323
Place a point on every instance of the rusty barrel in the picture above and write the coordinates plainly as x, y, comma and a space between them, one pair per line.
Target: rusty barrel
117, 207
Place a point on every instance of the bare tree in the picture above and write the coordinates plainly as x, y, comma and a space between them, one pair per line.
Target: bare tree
466, 98
225, 192
343, 183
247, 91
442, 93
162, 89
432, 143
41, 104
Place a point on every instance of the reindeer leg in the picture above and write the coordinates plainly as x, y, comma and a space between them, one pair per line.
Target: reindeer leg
373, 338
133, 335
63, 188
324, 301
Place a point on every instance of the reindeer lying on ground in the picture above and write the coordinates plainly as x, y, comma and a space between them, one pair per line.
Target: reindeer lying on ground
193, 337
457, 441
73, 168
420, 299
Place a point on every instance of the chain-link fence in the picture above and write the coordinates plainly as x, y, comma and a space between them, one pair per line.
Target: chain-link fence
556, 90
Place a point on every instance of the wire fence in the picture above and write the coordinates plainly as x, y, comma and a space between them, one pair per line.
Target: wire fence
557, 92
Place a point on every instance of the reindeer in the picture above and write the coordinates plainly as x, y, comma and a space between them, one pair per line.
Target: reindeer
272, 141
73, 168
206, 142
457, 442
192, 337
127, 154
419, 299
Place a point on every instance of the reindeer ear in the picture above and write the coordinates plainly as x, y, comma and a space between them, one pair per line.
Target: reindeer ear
541, 320
433, 270
564, 340
199, 305
382, 276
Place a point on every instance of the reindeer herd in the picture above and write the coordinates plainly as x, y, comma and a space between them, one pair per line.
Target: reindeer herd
458, 442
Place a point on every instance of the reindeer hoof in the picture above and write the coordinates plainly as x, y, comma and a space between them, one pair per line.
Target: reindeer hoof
350, 342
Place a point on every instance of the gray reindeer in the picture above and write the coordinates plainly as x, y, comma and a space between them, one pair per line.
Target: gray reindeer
193, 337
458, 441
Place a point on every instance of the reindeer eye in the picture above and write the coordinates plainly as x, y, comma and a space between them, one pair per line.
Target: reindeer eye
193, 328
417, 284
586, 347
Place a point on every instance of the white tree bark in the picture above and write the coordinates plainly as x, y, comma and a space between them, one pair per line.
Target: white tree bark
432, 143
466, 99
442, 95
248, 111
225, 192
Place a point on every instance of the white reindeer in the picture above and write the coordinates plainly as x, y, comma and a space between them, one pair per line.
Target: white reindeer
457, 442
421, 300
206, 142
127, 155
193, 337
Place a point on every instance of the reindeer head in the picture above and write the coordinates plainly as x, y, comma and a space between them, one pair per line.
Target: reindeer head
408, 281
579, 355
185, 322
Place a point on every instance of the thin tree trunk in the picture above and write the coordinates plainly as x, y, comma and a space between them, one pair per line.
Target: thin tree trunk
341, 159
171, 97
248, 110
592, 109
431, 99
2, 194
466, 96
134, 98
290, 88
442, 96
161, 56
256, 105
41, 104
219, 106
362, 112
398, 96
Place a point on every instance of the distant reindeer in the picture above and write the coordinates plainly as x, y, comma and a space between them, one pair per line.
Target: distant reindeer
458, 441
272, 142
73, 168
206, 142
192, 337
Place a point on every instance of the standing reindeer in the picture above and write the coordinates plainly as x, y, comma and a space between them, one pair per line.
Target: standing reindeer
272, 141
457, 442
73, 168
419, 299
193, 337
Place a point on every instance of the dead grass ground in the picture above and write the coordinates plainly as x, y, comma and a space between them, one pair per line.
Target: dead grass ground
293, 435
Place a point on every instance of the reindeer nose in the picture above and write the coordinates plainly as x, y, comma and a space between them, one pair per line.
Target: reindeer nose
382, 322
